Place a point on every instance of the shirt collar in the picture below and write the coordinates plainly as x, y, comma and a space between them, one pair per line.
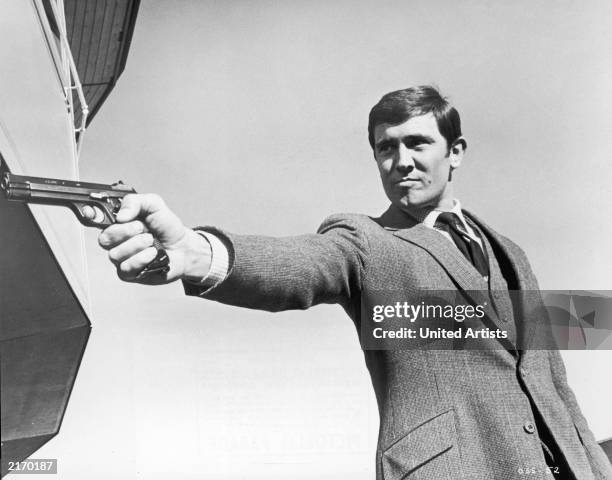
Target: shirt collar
429, 219
395, 217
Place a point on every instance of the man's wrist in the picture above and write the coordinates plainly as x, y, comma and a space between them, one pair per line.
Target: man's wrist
197, 257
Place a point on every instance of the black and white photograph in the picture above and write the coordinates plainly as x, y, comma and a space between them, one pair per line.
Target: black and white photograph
291, 240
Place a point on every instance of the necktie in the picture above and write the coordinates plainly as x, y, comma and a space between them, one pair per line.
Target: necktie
470, 249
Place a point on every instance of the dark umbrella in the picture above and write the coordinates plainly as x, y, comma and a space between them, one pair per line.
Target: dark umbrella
43, 333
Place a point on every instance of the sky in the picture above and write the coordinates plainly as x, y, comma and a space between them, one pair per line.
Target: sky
252, 116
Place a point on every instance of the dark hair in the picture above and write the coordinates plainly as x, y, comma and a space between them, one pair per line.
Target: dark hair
401, 105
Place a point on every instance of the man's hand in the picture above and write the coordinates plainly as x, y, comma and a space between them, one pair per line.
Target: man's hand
129, 242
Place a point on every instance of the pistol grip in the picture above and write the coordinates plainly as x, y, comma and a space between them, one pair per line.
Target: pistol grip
160, 265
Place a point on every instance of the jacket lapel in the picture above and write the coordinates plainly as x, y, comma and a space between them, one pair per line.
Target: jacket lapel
451, 259
498, 242
454, 263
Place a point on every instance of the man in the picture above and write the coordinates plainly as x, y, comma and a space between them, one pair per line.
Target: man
482, 414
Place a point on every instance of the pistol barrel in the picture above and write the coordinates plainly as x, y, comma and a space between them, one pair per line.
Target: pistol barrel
21, 187
14, 190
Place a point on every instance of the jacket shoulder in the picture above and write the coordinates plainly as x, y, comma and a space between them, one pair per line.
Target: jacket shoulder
352, 221
511, 245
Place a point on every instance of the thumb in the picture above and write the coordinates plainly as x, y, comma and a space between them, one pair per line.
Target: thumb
136, 205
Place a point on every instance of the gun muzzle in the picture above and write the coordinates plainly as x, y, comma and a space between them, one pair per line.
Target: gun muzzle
14, 190
5, 181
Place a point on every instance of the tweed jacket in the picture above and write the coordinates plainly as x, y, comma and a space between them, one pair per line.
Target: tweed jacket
444, 414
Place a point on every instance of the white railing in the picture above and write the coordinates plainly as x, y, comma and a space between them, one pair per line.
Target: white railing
65, 66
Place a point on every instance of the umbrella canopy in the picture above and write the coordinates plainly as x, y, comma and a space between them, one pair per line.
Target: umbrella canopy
43, 334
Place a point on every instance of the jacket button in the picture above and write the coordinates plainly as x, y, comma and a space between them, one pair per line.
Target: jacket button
529, 427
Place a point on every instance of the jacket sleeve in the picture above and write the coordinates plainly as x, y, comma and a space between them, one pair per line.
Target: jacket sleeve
275, 274
599, 461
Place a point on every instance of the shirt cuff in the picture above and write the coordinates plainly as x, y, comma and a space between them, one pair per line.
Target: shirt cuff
219, 263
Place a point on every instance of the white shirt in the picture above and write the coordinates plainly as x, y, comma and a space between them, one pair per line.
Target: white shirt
430, 222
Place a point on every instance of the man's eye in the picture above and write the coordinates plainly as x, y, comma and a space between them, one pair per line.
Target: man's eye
385, 148
417, 146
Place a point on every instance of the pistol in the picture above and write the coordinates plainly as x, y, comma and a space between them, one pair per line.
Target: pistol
105, 200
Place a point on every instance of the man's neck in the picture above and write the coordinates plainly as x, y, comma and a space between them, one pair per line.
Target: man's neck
419, 214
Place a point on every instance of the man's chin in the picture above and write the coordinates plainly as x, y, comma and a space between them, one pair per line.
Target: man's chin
413, 208
417, 204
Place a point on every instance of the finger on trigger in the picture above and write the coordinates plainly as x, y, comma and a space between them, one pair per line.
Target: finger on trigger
89, 212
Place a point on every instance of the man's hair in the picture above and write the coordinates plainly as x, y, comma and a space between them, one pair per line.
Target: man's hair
399, 106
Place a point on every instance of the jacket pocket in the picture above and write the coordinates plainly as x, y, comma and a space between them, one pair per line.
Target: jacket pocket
430, 446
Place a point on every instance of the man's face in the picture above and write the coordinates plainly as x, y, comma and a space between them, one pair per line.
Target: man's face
414, 163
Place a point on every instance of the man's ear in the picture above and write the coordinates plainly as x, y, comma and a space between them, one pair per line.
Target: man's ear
456, 152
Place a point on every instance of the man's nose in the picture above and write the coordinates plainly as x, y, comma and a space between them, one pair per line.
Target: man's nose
404, 162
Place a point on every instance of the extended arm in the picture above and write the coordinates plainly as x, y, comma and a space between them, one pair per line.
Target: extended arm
265, 272
293, 272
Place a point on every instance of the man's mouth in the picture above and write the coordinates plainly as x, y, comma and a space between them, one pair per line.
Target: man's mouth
406, 181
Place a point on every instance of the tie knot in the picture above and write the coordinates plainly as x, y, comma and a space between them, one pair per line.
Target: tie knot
450, 219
